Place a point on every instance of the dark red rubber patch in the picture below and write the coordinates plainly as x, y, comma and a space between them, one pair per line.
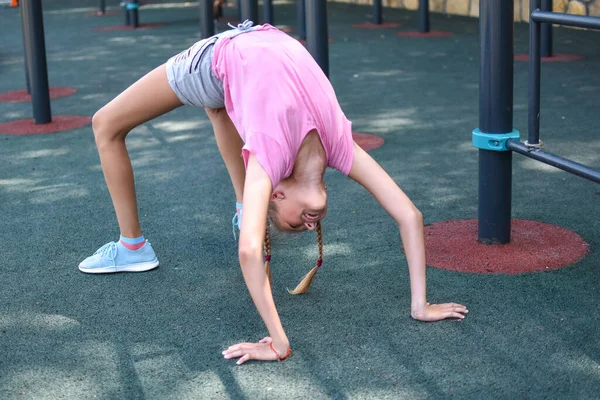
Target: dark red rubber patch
142, 27
367, 142
556, 57
535, 246
417, 34
29, 127
22, 95
370, 25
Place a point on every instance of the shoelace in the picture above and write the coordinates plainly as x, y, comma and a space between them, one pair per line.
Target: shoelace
110, 248
247, 24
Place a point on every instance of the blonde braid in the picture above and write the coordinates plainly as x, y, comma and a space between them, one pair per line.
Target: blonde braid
320, 244
267, 247
307, 280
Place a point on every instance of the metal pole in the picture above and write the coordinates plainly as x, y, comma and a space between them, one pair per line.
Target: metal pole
239, 10
565, 164
546, 48
26, 58
207, 23
127, 15
301, 17
579, 21
268, 12
35, 47
533, 121
135, 18
424, 16
317, 36
495, 117
377, 12
102, 6
250, 10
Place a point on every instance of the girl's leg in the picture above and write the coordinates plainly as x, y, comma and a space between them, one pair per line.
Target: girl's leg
230, 146
146, 99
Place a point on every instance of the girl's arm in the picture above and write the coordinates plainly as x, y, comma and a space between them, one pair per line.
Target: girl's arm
230, 146
366, 171
257, 193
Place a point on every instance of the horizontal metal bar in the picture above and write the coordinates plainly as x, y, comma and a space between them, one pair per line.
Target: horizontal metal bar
579, 21
559, 162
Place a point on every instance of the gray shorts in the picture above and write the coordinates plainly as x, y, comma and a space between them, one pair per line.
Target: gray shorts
192, 78
191, 75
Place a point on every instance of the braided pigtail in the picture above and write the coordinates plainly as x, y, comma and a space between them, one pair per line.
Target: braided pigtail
307, 280
267, 247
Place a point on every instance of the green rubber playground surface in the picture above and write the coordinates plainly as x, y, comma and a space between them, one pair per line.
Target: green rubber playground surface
159, 335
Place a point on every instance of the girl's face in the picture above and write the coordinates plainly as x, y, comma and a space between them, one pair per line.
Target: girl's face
295, 209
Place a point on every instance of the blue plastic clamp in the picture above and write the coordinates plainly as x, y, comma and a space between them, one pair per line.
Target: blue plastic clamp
493, 141
132, 6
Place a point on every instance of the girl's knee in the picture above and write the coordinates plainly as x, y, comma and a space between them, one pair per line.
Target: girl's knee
106, 128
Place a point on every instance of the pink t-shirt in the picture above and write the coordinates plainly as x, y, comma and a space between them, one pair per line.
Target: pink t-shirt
275, 94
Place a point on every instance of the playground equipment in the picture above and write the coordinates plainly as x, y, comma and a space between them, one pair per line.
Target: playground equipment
249, 9
132, 17
495, 137
36, 71
207, 22
423, 14
301, 19
317, 35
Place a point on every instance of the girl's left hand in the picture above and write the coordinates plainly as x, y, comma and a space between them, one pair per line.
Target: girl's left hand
436, 312
261, 351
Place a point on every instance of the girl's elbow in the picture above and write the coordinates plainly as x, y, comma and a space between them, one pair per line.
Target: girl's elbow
411, 217
249, 252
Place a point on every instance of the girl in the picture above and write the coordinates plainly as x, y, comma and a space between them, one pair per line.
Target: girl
269, 101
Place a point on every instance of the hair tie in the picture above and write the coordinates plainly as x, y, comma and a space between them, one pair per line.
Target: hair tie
279, 358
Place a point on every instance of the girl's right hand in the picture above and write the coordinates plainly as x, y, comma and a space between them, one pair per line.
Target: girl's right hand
437, 312
261, 351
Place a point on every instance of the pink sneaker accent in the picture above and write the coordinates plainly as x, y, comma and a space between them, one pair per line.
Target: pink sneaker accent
133, 246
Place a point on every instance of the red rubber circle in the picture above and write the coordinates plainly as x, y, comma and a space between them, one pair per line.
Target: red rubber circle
29, 127
556, 57
15, 96
534, 246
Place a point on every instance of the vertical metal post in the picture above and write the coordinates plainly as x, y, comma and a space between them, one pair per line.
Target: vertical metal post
301, 19
377, 12
239, 10
207, 23
317, 36
35, 47
127, 15
424, 16
495, 117
102, 7
134, 16
546, 39
250, 10
26, 58
533, 122
268, 12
